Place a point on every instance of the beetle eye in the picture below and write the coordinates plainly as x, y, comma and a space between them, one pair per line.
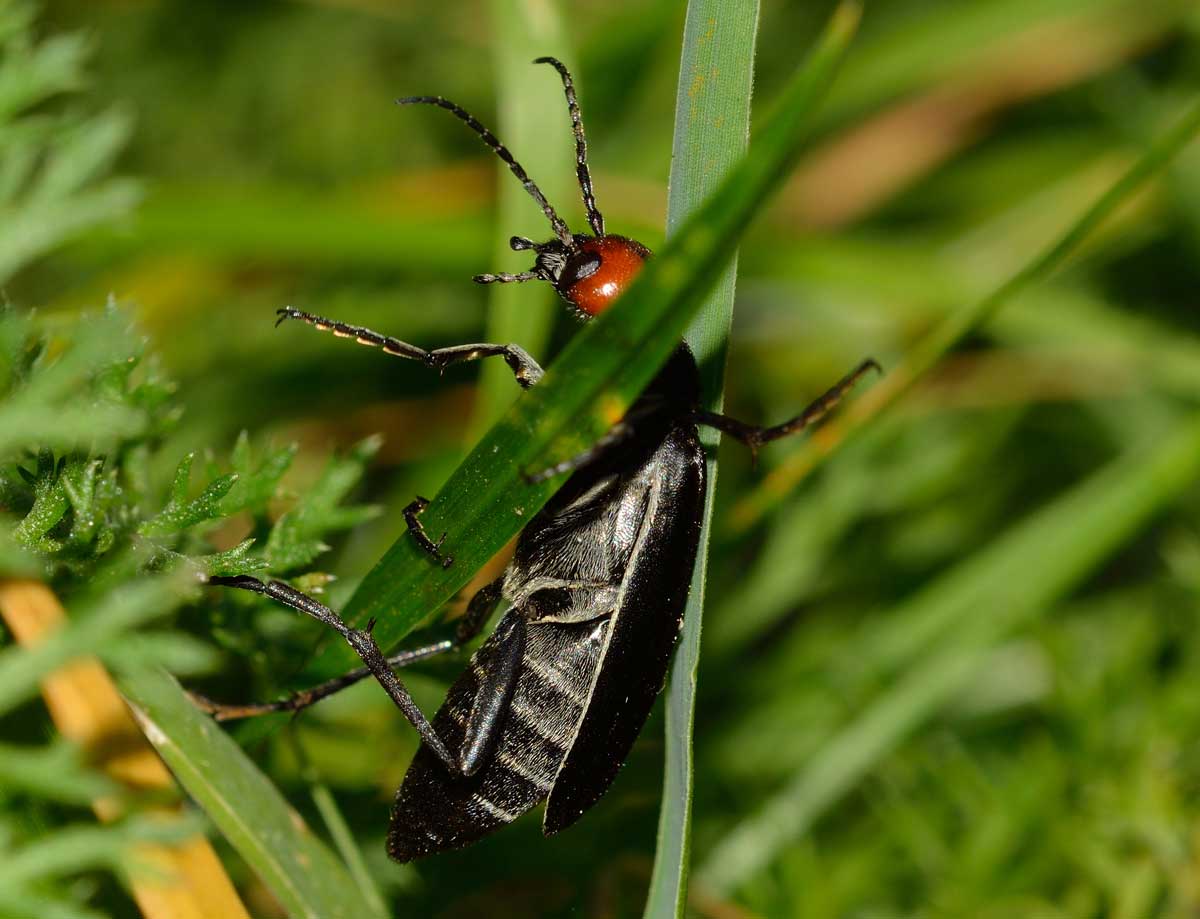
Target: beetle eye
577, 270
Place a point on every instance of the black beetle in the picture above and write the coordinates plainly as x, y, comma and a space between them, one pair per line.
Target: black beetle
551, 703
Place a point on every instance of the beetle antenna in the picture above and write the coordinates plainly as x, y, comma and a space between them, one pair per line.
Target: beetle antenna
560, 228
595, 218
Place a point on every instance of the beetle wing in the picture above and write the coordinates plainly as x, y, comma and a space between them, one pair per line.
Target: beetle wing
437, 810
642, 632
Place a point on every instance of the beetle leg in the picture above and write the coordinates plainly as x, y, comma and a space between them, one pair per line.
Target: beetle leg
364, 646
298, 701
478, 611
389, 345
618, 433
524, 368
754, 436
497, 681
411, 512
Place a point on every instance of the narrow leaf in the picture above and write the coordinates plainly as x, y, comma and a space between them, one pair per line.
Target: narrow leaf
274, 840
712, 126
532, 120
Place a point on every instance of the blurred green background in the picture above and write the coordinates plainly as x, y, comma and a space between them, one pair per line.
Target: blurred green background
1058, 775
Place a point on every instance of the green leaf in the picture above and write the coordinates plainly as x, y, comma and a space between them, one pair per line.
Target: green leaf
52, 405
532, 120
50, 503
258, 482
49, 164
978, 603
30, 73
82, 483
596, 378
237, 560
274, 840
81, 155
347, 846
712, 126
295, 540
181, 513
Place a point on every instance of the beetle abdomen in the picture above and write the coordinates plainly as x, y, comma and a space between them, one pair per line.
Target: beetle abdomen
436, 810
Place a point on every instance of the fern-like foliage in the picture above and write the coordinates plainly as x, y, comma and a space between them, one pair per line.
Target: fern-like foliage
85, 508
50, 161
96, 498
84, 416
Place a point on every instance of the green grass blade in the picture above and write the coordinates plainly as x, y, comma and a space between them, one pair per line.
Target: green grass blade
347, 847
712, 129
300, 870
532, 121
996, 591
597, 377
956, 327
223, 222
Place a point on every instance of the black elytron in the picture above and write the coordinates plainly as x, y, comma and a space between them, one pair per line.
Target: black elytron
550, 704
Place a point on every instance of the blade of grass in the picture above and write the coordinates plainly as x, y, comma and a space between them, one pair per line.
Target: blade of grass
597, 377
83, 847
996, 591
347, 846
956, 327
336, 826
712, 130
24, 903
284, 224
338, 829
306, 878
532, 120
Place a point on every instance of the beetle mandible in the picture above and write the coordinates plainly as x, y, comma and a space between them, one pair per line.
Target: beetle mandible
551, 703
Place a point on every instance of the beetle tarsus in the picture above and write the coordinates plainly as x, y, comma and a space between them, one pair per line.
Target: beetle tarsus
411, 513
363, 336
303, 698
